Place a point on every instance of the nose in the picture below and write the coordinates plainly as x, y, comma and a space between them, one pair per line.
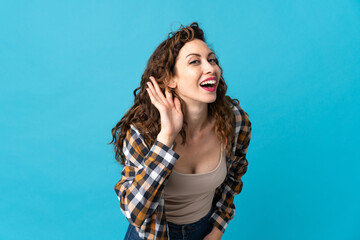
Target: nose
209, 68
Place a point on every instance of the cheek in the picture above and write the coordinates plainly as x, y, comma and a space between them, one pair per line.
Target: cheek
192, 73
218, 71
190, 77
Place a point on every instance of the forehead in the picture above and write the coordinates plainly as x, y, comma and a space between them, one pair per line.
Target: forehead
194, 46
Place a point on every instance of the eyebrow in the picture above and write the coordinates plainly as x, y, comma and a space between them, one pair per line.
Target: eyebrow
196, 54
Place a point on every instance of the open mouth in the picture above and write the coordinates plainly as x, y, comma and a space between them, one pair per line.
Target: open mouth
209, 85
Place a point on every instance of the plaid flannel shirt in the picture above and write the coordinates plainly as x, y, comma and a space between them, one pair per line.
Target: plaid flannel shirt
146, 171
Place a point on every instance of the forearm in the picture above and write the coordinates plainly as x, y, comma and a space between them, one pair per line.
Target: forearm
143, 179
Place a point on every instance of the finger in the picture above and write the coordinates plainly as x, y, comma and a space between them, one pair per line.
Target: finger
153, 100
153, 92
150, 95
158, 90
169, 98
177, 105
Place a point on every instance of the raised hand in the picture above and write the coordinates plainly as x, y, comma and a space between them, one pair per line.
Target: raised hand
170, 112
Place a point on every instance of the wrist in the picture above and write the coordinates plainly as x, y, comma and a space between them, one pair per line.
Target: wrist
217, 231
165, 138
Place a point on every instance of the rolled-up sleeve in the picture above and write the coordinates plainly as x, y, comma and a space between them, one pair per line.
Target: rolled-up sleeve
143, 176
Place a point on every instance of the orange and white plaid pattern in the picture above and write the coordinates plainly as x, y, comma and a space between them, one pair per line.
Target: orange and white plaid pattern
146, 171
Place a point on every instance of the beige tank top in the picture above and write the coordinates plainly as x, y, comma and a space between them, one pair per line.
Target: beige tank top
188, 197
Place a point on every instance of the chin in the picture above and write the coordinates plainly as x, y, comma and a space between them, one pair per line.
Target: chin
212, 100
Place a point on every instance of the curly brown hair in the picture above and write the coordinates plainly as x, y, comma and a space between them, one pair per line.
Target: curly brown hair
145, 116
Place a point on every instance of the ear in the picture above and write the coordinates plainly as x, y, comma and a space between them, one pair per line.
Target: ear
172, 83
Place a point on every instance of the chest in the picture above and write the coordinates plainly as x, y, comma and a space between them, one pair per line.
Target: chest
198, 156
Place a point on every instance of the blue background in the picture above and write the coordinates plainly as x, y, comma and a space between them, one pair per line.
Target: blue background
68, 69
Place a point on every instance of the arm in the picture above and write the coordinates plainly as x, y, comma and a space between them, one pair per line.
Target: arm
143, 176
224, 195
146, 171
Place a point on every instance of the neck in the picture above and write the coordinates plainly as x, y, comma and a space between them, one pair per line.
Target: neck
197, 118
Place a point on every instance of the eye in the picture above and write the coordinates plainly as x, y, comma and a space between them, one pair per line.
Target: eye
213, 60
195, 61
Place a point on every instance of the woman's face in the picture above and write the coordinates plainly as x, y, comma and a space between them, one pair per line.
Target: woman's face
197, 73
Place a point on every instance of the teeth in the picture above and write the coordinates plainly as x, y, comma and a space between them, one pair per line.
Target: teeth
208, 82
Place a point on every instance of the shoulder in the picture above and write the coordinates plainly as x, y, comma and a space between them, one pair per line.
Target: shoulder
134, 143
242, 120
242, 131
134, 134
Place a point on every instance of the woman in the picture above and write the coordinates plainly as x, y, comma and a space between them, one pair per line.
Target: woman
183, 145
